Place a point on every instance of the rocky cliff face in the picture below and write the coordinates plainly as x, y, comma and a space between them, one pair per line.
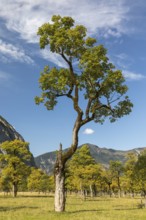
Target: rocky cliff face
8, 133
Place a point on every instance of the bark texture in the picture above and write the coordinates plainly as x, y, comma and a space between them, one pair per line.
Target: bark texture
59, 183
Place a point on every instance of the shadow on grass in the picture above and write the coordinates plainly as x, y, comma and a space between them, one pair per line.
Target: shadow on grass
98, 200
36, 196
101, 210
26, 196
5, 209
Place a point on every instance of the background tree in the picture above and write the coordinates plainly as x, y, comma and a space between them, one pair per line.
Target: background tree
83, 171
88, 73
13, 161
129, 173
140, 172
117, 169
38, 181
107, 176
5, 183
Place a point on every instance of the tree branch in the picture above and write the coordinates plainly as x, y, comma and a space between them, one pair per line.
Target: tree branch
65, 94
88, 107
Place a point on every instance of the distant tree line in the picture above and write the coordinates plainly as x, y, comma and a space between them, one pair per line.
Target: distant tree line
84, 176
87, 177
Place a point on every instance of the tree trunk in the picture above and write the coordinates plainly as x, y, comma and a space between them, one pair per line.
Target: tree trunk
59, 171
59, 183
91, 191
119, 188
15, 189
59, 192
109, 189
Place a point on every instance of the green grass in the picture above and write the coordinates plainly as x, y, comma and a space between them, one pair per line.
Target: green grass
40, 207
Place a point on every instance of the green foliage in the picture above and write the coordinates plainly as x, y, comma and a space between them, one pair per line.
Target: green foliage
129, 172
38, 181
100, 83
82, 170
116, 168
5, 183
140, 171
13, 161
82, 157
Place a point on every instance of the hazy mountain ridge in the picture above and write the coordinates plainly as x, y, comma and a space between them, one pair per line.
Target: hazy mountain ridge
101, 155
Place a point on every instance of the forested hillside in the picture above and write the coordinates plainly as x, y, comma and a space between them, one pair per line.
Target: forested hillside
101, 155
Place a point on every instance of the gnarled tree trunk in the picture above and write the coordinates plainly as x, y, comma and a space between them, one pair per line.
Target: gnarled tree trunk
59, 171
59, 183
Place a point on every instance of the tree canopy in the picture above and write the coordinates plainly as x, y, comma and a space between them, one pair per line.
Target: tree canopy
88, 71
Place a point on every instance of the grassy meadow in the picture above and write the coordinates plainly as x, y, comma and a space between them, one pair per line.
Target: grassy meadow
41, 207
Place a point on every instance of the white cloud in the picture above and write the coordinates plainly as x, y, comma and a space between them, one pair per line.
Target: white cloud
52, 57
123, 60
88, 131
25, 16
10, 51
133, 76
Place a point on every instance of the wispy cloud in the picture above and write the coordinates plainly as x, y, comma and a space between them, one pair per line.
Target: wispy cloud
122, 60
52, 57
133, 76
9, 51
101, 17
109, 16
88, 131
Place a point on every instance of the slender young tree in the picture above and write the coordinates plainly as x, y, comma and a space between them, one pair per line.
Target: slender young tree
107, 177
117, 169
89, 76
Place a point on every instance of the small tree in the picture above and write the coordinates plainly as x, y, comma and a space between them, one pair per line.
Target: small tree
117, 169
89, 76
13, 161
38, 181
83, 170
107, 177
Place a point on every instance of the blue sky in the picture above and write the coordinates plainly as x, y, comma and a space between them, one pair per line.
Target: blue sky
119, 25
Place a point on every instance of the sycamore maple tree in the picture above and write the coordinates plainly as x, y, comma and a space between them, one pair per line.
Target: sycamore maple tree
89, 76
13, 162
83, 171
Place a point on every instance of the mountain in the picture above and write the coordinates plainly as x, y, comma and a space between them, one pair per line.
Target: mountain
101, 155
8, 133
